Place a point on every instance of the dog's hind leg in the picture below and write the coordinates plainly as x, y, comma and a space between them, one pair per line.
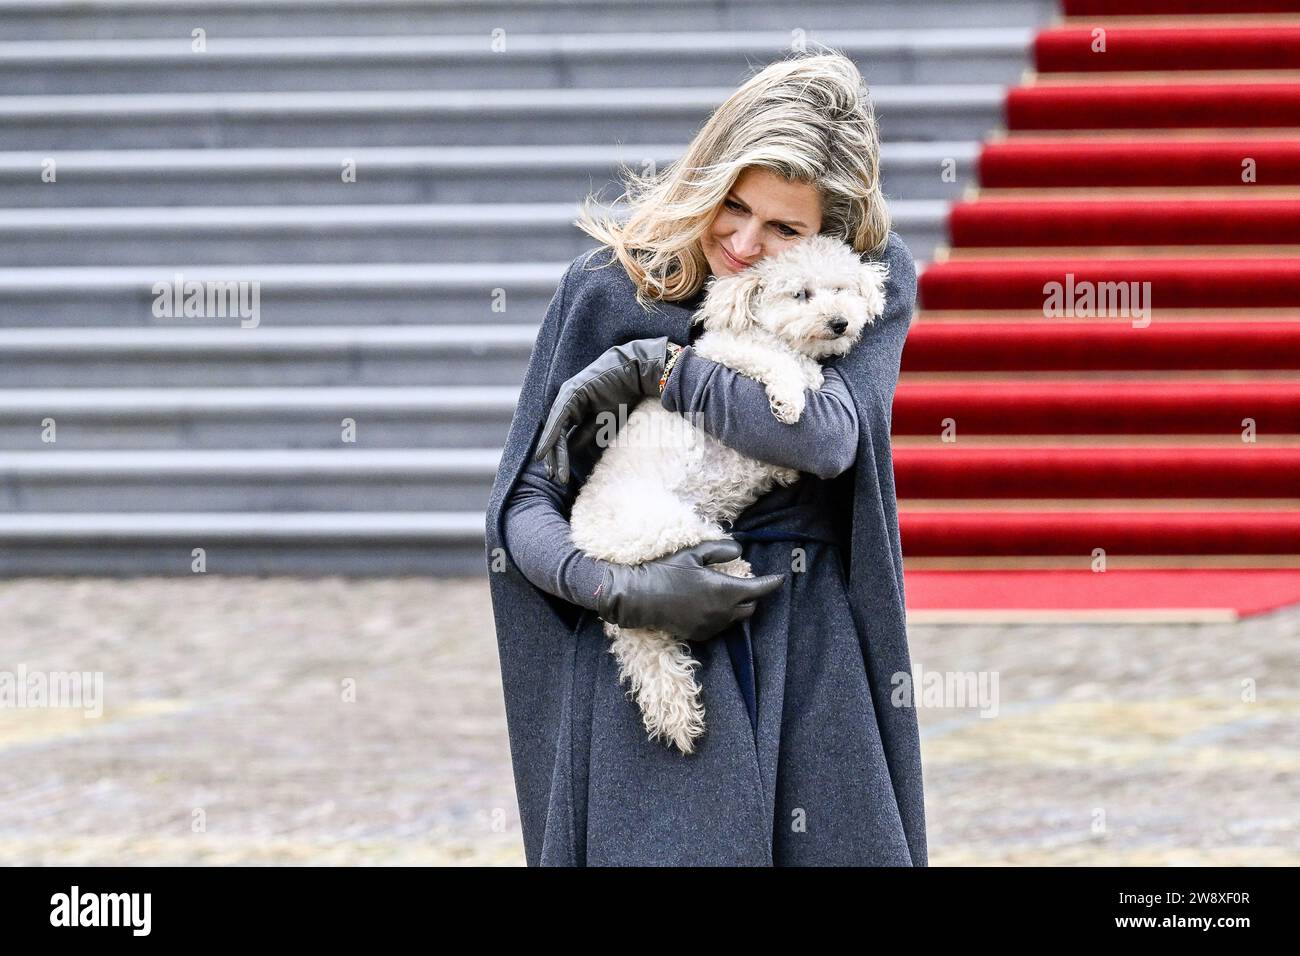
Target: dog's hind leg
659, 666
662, 674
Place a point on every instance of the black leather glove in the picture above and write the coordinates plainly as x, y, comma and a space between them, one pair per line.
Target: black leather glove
622, 375
681, 594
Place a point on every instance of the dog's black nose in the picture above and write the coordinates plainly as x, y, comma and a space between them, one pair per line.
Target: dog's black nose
839, 324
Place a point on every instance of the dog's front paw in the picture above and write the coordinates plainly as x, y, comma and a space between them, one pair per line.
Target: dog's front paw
787, 404
785, 476
737, 568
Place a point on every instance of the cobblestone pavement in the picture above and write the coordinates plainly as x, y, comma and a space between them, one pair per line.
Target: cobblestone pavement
347, 721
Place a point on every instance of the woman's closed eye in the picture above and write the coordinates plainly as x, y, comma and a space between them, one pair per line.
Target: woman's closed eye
737, 207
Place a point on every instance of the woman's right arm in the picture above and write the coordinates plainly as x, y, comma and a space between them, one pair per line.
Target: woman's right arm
534, 514
536, 528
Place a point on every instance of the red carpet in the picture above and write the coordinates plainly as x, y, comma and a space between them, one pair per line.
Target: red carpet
1004, 406
1154, 106
1175, 284
1153, 48
1013, 164
1106, 364
1004, 345
1104, 222
1115, 595
1016, 533
1115, 8
1097, 472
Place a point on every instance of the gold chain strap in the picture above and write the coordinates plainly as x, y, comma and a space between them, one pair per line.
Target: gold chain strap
674, 350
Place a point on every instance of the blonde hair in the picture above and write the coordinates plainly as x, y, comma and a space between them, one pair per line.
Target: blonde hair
807, 118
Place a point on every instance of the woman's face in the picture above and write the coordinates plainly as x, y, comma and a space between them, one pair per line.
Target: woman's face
762, 215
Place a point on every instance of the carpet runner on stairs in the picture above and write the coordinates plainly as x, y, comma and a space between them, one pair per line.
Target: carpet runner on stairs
1099, 412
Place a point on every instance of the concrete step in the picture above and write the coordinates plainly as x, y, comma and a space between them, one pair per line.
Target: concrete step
339, 480
376, 294
85, 419
67, 19
445, 232
265, 357
412, 174
530, 61
427, 543
422, 117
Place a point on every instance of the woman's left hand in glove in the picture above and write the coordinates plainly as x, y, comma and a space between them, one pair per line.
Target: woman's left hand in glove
622, 375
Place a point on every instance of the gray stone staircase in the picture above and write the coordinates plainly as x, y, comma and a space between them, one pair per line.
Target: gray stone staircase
129, 159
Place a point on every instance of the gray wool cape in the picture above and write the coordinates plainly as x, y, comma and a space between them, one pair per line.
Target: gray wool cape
548, 647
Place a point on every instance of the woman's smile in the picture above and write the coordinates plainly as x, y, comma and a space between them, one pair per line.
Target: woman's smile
733, 261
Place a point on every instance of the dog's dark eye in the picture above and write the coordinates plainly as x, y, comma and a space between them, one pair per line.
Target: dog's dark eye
799, 295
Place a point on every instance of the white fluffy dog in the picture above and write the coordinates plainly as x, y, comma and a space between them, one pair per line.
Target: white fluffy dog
664, 484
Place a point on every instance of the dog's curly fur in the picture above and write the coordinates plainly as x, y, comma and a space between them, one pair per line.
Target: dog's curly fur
664, 484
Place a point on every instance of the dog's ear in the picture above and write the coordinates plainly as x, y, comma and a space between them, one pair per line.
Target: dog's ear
871, 285
729, 306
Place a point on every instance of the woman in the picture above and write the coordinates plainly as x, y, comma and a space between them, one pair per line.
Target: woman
811, 753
